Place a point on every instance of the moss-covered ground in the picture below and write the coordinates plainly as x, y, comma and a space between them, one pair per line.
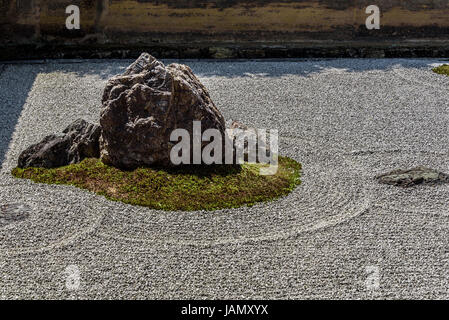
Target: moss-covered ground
443, 69
181, 188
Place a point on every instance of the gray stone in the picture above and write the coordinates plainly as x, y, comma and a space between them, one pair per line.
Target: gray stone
143, 106
80, 140
412, 177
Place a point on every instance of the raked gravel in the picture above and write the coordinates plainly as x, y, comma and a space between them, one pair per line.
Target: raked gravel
338, 235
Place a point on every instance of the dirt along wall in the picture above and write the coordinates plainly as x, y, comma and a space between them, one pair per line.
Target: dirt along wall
223, 28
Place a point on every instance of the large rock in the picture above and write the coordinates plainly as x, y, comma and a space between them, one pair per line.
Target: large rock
144, 105
80, 140
412, 177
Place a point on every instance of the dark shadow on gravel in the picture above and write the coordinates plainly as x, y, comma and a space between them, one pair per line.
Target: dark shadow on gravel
304, 67
14, 90
105, 69
15, 87
13, 95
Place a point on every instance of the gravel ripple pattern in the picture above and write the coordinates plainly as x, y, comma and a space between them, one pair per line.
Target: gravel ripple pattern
345, 120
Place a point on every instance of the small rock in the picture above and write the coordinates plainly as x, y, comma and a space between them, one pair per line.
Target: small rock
412, 177
80, 140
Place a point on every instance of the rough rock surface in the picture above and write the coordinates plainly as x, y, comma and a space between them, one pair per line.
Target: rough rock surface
80, 140
144, 105
412, 177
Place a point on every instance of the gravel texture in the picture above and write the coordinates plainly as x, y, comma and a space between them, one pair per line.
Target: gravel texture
338, 235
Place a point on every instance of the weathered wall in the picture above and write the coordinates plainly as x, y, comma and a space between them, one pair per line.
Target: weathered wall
224, 28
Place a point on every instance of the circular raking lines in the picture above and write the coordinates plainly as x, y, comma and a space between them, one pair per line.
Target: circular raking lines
333, 191
325, 198
56, 216
337, 186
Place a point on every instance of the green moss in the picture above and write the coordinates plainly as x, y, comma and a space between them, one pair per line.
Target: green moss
443, 69
182, 188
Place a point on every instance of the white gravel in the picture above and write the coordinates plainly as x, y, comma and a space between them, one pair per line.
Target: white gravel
344, 120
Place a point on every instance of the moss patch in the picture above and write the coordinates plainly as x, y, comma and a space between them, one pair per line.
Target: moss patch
183, 188
443, 69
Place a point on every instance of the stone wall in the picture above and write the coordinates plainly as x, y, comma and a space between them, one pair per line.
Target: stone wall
223, 28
